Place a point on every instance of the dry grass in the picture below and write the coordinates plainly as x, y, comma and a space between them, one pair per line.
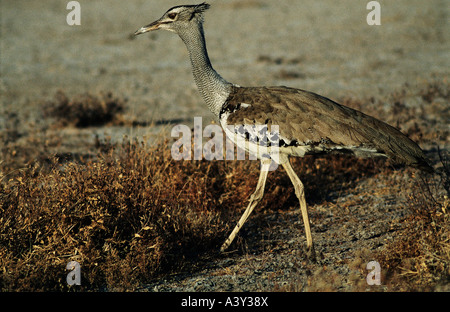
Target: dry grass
125, 218
419, 258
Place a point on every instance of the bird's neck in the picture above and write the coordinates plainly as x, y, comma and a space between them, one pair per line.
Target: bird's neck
213, 88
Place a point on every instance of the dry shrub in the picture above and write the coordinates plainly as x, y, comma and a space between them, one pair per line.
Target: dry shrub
85, 110
419, 258
125, 218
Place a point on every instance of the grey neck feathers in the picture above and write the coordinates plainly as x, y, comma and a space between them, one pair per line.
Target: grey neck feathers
213, 88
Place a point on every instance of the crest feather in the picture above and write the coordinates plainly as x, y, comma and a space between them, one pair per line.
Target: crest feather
199, 9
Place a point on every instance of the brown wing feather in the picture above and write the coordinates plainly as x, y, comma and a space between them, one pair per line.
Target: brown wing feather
308, 118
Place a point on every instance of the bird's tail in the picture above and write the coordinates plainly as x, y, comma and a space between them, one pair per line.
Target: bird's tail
423, 165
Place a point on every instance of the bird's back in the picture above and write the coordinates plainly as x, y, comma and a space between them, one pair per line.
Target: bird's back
315, 124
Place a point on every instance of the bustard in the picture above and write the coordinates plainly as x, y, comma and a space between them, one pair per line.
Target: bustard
307, 123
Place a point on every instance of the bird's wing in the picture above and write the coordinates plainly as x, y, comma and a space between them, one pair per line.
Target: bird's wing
308, 119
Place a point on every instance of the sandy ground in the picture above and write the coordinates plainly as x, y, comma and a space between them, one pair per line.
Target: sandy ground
321, 46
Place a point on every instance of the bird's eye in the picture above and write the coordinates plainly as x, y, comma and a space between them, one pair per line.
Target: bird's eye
172, 15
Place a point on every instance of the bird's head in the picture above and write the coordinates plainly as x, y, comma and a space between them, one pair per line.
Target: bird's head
177, 18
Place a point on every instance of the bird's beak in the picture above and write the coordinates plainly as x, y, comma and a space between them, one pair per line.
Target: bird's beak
153, 26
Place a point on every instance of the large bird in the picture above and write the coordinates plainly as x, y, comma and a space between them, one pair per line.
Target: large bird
295, 122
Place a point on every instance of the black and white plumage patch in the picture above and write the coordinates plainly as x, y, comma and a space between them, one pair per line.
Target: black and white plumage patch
258, 134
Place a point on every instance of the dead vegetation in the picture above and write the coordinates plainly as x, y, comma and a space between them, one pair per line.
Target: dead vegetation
125, 218
85, 110
420, 256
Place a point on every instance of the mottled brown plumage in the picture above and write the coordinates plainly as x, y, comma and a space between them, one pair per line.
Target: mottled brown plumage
308, 119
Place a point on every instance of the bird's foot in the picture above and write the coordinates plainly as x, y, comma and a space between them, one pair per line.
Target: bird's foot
310, 253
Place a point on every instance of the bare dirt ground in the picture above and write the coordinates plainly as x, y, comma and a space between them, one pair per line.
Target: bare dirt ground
397, 71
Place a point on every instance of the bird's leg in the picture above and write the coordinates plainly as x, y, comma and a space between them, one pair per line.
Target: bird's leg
300, 192
254, 200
